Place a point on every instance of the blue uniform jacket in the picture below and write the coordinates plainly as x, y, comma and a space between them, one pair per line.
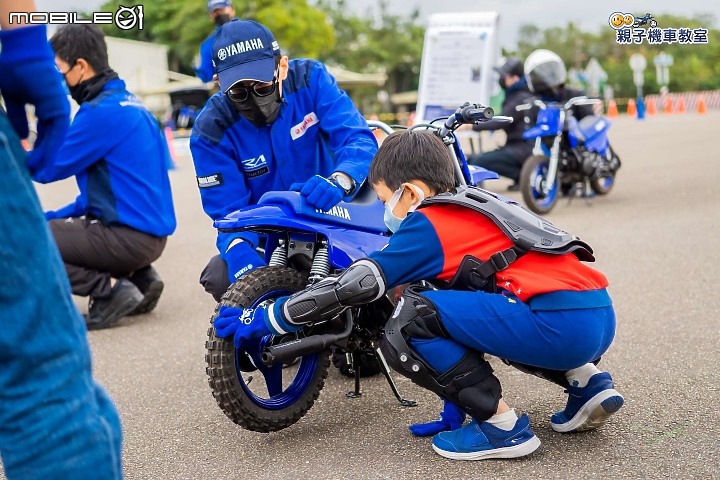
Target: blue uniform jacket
120, 159
318, 131
206, 69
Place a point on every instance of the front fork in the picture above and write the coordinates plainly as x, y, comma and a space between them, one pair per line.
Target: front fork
551, 177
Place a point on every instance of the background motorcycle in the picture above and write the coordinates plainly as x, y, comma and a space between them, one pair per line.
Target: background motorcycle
569, 155
264, 387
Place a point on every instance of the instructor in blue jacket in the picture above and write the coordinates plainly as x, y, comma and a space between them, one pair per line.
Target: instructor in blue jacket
119, 224
273, 123
220, 12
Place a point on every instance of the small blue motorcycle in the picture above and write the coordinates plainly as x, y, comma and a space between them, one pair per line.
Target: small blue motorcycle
569, 155
271, 384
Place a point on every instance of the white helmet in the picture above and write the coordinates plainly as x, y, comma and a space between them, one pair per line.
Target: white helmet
544, 70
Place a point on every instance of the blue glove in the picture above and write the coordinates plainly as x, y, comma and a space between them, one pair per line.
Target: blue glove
29, 76
451, 418
320, 192
241, 259
242, 324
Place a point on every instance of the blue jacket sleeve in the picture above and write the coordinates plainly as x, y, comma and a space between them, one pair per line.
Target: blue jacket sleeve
349, 137
227, 192
414, 252
206, 70
86, 143
75, 209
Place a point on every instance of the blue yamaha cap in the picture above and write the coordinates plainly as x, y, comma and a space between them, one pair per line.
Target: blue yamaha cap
215, 4
244, 50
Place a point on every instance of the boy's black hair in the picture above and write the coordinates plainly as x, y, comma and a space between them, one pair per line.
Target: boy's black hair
81, 41
413, 155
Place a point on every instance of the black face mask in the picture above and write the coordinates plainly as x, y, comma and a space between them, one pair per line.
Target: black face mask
221, 19
260, 111
90, 88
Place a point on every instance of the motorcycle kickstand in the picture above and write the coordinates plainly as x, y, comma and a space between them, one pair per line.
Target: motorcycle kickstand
386, 372
356, 369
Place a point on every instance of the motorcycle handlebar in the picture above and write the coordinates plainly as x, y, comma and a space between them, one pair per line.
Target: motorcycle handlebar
570, 103
528, 106
581, 101
468, 113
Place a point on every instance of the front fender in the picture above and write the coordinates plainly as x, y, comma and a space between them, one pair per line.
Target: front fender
344, 245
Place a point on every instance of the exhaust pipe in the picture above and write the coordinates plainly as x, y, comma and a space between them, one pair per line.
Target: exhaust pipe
289, 351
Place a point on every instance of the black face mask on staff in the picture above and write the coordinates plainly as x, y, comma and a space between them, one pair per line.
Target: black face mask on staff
221, 19
259, 104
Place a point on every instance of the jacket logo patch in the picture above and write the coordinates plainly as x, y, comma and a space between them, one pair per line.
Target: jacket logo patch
254, 167
208, 181
299, 130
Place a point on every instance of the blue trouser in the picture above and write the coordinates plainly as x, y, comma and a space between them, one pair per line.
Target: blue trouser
507, 328
55, 422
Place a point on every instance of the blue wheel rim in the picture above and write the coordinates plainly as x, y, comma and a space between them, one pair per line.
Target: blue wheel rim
538, 176
297, 388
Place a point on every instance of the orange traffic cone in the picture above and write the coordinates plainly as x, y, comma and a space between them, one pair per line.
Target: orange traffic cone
668, 106
169, 138
612, 110
632, 108
651, 110
681, 105
702, 108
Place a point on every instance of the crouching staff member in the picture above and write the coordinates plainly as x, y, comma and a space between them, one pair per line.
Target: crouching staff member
119, 223
541, 310
274, 123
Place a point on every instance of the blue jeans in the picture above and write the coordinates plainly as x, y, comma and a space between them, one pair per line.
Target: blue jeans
55, 421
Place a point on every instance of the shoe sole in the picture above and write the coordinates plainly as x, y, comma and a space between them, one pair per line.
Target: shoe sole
150, 299
525, 448
593, 414
129, 305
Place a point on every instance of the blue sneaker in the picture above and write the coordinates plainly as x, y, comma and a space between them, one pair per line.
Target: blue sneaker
588, 407
480, 441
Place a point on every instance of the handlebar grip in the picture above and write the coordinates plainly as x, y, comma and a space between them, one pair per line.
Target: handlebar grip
473, 113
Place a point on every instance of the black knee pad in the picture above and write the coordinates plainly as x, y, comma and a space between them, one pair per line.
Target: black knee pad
469, 384
419, 315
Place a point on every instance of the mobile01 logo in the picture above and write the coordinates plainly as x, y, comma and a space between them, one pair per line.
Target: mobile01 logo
125, 18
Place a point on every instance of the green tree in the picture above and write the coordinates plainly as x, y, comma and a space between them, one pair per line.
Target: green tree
390, 43
301, 30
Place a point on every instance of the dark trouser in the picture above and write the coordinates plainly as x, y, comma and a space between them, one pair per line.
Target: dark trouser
214, 277
93, 253
503, 161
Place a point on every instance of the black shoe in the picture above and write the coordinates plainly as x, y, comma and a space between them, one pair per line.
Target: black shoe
150, 285
515, 187
106, 312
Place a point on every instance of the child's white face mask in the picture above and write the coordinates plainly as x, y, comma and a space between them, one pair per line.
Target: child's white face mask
393, 222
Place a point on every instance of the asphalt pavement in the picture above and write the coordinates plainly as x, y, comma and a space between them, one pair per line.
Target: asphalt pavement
656, 237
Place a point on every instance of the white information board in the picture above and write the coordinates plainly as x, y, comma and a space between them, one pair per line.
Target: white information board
459, 53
